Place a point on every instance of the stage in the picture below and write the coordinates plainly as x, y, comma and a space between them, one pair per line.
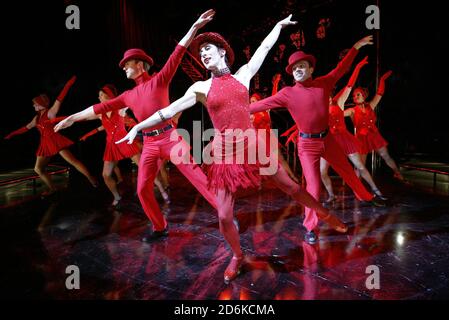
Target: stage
407, 241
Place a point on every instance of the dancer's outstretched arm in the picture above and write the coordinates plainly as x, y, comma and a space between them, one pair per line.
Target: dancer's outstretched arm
380, 90
53, 111
344, 65
165, 75
85, 114
247, 71
189, 99
91, 133
341, 97
24, 129
201, 22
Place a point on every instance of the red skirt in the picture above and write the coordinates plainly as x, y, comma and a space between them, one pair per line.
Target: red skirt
225, 170
370, 142
347, 142
117, 152
51, 145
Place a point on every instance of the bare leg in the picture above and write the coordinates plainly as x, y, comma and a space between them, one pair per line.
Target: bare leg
159, 185
324, 170
357, 161
41, 169
136, 159
108, 169
118, 174
70, 158
225, 205
383, 152
363, 159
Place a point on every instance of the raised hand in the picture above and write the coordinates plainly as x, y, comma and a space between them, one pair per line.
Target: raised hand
205, 18
276, 78
71, 81
368, 40
287, 22
386, 75
363, 62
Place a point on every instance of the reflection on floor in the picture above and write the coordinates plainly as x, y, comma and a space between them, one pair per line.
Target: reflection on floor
407, 241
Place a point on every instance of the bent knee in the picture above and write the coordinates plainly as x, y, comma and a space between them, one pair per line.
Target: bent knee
107, 175
39, 170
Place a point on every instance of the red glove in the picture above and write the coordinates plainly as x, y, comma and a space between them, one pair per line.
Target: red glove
66, 89
286, 133
87, 135
57, 119
293, 137
356, 72
18, 131
381, 89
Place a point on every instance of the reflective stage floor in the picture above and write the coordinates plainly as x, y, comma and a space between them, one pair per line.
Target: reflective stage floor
407, 242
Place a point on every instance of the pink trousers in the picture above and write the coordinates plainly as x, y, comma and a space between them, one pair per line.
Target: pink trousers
309, 151
155, 149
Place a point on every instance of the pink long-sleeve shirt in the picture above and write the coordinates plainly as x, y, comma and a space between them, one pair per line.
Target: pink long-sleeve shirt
308, 101
150, 93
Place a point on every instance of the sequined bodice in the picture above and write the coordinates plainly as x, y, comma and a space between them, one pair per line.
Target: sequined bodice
228, 104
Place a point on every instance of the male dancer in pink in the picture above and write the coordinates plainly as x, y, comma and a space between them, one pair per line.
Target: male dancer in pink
150, 95
308, 103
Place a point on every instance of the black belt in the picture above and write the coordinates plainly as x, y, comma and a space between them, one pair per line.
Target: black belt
314, 135
157, 131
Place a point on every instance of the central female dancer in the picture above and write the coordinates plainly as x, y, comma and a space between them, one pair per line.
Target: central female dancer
226, 98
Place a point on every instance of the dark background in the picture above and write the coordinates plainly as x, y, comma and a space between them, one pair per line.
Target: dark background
40, 54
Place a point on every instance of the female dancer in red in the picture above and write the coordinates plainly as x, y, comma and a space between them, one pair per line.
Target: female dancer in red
51, 142
364, 119
226, 98
347, 141
114, 125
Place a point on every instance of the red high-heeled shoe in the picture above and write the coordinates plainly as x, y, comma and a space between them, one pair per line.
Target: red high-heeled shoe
233, 269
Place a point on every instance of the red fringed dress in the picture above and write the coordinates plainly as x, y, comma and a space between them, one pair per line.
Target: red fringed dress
366, 130
115, 130
337, 126
228, 107
51, 142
